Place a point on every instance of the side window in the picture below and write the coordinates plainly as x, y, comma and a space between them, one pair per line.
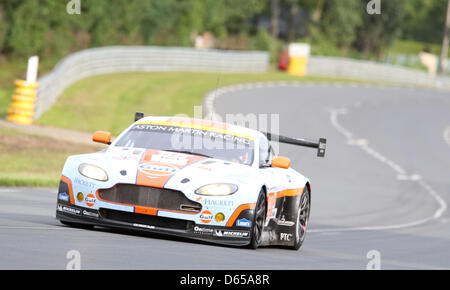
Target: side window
271, 153
265, 153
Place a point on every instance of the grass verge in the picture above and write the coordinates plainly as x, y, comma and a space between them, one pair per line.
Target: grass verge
108, 102
32, 160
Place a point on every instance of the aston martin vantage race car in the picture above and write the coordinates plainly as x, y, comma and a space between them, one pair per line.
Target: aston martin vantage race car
191, 178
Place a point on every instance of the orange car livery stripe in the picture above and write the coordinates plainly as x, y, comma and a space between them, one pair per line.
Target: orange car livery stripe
156, 167
273, 196
69, 184
238, 211
290, 192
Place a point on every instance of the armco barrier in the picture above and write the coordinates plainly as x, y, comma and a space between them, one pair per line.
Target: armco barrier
117, 59
375, 72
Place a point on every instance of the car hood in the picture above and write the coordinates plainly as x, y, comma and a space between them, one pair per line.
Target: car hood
165, 169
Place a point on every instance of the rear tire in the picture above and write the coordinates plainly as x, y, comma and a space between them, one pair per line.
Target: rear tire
302, 218
259, 219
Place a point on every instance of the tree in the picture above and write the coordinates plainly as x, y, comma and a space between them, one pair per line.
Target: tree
378, 31
340, 20
445, 41
274, 17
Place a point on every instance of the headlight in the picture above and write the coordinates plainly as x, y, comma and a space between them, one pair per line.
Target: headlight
93, 172
217, 189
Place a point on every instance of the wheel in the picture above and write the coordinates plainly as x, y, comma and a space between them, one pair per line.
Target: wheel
258, 221
302, 218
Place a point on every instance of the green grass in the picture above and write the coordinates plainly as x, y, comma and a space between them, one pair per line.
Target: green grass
5, 100
411, 47
32, 160
108, 102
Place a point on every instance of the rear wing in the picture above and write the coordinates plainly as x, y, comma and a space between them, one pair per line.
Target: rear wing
320, 145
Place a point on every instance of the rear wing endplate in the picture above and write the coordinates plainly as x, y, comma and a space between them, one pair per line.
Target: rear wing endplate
320, 145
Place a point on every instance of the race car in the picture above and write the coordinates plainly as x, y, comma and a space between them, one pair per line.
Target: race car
190, 178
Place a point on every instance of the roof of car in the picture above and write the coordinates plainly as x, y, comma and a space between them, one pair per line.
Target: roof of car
202, 124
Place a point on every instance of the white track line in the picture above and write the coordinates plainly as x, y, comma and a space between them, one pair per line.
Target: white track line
401, 175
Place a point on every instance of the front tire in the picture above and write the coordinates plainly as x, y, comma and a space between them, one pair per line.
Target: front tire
302, 218
258, 221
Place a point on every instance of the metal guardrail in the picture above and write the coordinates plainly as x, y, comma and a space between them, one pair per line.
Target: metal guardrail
374, 71
117, 59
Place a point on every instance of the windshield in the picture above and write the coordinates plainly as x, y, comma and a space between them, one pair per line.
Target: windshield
215, 144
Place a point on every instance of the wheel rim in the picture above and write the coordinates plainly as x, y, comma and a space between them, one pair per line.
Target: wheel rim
259, 220
303, 216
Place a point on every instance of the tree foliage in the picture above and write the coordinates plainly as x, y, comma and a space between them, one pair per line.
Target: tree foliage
44, 27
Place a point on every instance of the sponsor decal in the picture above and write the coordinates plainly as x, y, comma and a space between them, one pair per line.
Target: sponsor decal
88, 213
243, 223
285, 237
231, 234
218, 202
84, 182
205, 168
125, 158
63, 196
283, 222
68, 209
90, 200
206, 216
157, 170
156, 173
225, 135
289, 178
144, 226
171, 158
80, 197
200, 230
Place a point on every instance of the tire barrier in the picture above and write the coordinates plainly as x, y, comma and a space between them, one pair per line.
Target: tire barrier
22, 108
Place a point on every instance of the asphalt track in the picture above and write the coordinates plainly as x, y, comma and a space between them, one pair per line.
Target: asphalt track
380, 195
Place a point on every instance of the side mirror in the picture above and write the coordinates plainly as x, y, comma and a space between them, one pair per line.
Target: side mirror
102, 137
138, 116
281, 162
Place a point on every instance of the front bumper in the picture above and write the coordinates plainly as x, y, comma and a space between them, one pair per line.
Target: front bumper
235, 236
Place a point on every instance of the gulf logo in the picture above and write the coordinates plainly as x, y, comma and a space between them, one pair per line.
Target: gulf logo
206, 216
90, 200
157, 169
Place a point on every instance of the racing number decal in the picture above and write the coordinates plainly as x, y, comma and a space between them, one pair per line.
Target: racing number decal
271, 201
273, 196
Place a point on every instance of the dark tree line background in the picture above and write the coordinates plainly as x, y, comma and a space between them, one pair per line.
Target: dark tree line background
342, 27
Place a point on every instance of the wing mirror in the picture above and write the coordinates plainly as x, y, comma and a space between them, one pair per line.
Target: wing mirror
281, 162
102, 137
